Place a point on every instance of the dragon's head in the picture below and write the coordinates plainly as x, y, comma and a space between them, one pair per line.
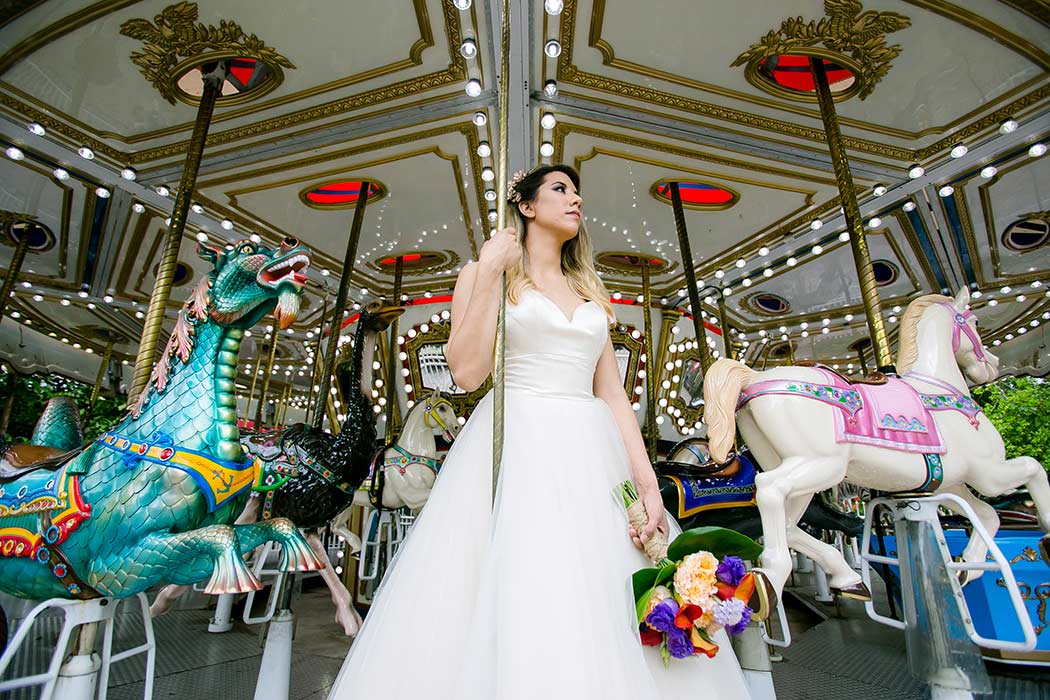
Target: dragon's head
251, 279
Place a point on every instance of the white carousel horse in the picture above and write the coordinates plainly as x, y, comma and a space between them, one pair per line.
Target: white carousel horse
810, 430
410, 466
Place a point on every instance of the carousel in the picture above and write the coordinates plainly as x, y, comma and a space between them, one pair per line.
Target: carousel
228, 247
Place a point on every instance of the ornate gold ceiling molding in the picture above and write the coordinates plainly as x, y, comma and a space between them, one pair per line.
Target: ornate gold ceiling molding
1039, 10
60, 28
846, 33
562, 129
569, 73
178, 41
984, 27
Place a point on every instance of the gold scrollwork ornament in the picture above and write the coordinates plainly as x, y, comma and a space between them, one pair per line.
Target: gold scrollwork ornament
175, 34
846, 31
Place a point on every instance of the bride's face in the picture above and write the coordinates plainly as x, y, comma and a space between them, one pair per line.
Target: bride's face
557, 206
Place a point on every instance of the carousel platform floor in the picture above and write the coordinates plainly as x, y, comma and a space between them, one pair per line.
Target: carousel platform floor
838, 658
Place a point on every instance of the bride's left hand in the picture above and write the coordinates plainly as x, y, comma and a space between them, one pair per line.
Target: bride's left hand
654, 508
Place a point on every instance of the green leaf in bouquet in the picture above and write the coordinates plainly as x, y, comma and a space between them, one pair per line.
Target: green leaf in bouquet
719, 541
645, 580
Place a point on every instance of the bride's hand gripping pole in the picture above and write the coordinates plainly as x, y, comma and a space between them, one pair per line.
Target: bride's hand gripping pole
501, 223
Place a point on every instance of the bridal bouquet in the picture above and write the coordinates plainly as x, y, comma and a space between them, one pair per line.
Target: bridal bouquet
698, 586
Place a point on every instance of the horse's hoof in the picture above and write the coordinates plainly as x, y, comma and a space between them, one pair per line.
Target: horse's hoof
764, 599
1044, 549
856, 591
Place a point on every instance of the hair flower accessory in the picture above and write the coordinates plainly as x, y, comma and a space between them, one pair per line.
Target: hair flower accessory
512, 187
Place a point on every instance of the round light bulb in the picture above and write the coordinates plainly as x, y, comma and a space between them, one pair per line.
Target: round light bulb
469, 48
462, 4
15, 153
85, 153
480, 119
550, 88
102, 192
1008, 127
553, 7
959, 150
546, 149
36, 129
128, 174
909, 206
490, 195
547, 121
138, 208
552, 48
61, 174
879, 190
916, 171
946, 191
488, 174
874, 222
484, 149
816, 224
989, 171
472, 88
1037, 150
162, 190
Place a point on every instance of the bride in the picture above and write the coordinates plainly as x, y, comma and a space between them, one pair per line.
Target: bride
530, 599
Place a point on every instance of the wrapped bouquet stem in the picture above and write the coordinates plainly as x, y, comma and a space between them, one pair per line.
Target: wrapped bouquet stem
638, 518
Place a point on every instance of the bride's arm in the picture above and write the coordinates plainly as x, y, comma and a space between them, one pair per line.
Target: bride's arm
475, 308
608, 388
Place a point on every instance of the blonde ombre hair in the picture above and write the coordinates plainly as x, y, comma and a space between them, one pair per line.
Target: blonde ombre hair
577, 254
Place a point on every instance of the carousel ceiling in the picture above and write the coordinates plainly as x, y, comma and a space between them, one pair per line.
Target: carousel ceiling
943, 110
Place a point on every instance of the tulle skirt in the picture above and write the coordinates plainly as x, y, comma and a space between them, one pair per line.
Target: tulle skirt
530, 600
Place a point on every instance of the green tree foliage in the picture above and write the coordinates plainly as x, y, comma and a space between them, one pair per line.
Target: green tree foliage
31, 394
1019, 407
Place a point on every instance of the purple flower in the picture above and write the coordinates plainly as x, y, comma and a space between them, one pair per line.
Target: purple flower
730, 571
679, 644
745, 618
662, 617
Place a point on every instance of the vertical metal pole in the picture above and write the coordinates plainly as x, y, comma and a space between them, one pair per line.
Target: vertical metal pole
282, 413
314, 378
685, 250
501, 222
858, 242
158, 302
340, 302
790, 352
390, 433
723, 317
21, 247
95, 390
266, 380
863, 360
650, 365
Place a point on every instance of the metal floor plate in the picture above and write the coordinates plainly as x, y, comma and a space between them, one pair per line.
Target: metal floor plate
838, 659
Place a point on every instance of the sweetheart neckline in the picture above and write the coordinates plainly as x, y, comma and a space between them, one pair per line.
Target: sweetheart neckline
568, 319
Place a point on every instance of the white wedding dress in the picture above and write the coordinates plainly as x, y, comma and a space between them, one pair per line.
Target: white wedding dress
530, 600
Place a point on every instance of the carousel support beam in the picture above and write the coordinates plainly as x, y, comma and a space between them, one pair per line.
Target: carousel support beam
97, 388
340, 303
315, 380
21, 248
391, 430
858, 242
685, 250
650, 365
267, 373
723, 319
213, 75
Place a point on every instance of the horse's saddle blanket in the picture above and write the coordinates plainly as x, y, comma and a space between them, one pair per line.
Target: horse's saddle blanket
707, 493
890, 415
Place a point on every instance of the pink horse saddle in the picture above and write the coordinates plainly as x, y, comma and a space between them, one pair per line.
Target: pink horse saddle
893, 415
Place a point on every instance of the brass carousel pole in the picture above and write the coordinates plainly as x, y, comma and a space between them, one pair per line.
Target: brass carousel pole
315, 380
390, 434
95, 390
863, 360
501, 223
706, 360
857, 240
650, 366
21, 248
723, 318
283, 411
153, 325
340, 302
266, 380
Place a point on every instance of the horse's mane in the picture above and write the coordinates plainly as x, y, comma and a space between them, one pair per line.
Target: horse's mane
179, 344
908, 348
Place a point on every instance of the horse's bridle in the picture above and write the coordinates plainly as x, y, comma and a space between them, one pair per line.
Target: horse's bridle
962, 326
431, 409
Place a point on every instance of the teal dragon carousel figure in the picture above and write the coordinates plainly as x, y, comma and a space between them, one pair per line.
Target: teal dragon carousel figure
155, 498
